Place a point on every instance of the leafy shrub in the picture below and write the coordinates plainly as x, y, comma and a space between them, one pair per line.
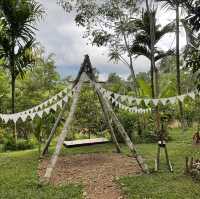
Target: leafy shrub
147, 136
2, 134
129, 122
10, 145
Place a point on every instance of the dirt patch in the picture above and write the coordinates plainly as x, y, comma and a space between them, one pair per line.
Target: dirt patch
97, 172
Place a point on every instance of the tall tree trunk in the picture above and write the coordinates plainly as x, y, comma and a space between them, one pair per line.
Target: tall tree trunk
152, 38
178, 77
13, 79
154, 74
13, 93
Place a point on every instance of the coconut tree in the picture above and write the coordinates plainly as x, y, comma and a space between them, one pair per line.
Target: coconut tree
17, 25
142, 42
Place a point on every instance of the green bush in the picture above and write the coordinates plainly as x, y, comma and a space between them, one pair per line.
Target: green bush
2, 135
10, 145
147, 136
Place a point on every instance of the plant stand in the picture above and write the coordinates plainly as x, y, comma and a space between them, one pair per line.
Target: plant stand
162, 145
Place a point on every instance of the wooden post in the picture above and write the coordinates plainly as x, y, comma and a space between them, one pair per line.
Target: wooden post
158, 159
167, 159
63, 135
187, 170
45, 149
122, 131
162, 144
107, 119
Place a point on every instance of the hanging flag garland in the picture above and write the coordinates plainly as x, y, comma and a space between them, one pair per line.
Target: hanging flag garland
116, 103
39, 110
147, 101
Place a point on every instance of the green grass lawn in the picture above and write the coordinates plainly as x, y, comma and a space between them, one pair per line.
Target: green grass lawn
163, 184
18, 174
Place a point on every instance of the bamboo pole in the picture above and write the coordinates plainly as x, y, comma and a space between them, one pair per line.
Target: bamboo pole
45, 149
63, 135
107, 119
123, 133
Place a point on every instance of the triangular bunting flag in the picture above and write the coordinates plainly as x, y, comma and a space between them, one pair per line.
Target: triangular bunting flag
40, 113
47, 110
116, 95
123, 98
23, 117
164, 101
138, 101
172, 100
181, 97
5, 118
32, 115
155, 101
147, 101
65, 99
59, 104
130, 100
54, 107
192, 95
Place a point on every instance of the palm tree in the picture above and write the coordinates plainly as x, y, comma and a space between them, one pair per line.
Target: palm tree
193, 10
17, 25
175, 4
142, 43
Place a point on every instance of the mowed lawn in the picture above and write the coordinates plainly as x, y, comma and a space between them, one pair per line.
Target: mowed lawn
19, 180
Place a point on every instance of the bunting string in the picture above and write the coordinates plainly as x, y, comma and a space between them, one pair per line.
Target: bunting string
148, 101
133, 109
53, 103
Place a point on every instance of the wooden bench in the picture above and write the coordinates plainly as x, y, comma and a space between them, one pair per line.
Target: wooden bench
85, 142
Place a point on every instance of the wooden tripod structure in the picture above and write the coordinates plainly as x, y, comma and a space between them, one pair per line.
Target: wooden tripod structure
86, 70
162, 145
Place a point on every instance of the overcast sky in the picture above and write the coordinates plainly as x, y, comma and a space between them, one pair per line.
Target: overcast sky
59, 35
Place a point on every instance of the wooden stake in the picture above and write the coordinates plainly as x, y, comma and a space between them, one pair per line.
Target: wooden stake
45, 149
123, 133
63, 135
107, 119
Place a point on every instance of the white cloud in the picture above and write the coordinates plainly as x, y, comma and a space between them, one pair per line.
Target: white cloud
59, 34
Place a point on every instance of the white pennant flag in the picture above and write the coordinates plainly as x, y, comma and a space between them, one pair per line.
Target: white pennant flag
59, 104
116, 95
47, 110
123, 98
37, 108
15, 117
147, 101
5, 118
40, 114
65, 99
155, 101
32, 115
50, 101
192, 95
138, 101
65, 90
60, 94
130, 100
164, 101
23, 117
172, 100
45, 104
116, 103
54, 107
112, 100
181, 98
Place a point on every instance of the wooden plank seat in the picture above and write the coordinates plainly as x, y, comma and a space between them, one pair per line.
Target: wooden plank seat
85, 142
